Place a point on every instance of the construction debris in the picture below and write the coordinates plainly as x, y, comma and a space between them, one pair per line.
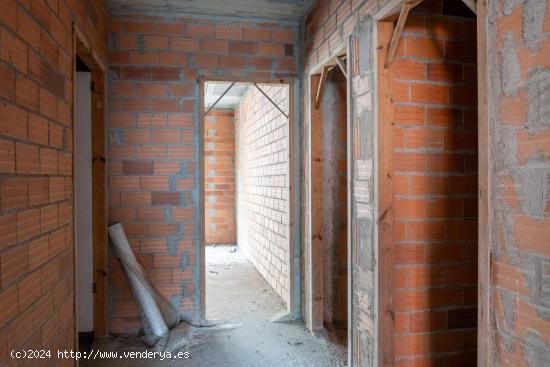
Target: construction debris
162, 327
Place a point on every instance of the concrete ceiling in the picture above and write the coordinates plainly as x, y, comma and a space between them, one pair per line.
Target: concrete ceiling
213, 90
290, 10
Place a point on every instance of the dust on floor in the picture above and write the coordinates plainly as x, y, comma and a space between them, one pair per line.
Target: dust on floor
237, 293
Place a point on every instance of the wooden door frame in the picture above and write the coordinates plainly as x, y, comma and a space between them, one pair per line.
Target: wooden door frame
315, 208
385, 320
293, 307
384, 212
484, 199
84, 51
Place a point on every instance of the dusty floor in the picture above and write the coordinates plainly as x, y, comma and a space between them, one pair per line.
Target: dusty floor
237, 293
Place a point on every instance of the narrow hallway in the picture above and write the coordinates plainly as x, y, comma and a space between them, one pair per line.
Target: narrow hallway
237, 293
254, 183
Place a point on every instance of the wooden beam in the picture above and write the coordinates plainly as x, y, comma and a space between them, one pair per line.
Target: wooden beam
341, 63
316, 209
99, 204
386, 203
294, 191
485, 184
202, 212
472, 4
84, 49
405, 9
321, 86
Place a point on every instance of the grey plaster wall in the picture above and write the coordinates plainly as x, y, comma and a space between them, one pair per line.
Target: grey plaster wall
364, 310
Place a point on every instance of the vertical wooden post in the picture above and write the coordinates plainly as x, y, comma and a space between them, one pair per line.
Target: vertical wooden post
385, 195
202, 210
317, 247
484, 199
99, 203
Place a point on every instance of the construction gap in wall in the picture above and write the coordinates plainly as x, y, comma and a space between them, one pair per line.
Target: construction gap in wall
246, 199
329, 202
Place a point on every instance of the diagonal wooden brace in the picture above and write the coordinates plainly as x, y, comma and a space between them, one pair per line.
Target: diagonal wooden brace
321, 86
342, 64
405, 9
472, 4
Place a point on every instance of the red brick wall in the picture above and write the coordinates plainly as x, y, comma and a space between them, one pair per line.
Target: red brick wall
435, 191
219, 177
327, 28
329, 24
153, 175
36, 199
519, 211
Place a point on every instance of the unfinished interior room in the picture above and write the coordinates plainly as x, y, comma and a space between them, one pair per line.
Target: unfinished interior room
275, 183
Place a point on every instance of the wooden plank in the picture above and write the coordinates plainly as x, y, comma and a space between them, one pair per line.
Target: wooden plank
321, 86
350, 175
293, 210
354, 58
356, 343
73, 204
472, 4
484, 198
99, 203
392, 49
385, 195
316, 184
202, 206
86, 52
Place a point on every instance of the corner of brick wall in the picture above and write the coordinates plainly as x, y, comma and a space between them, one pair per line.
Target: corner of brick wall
36, 182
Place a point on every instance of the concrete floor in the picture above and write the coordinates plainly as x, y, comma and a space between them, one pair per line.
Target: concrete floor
237, 293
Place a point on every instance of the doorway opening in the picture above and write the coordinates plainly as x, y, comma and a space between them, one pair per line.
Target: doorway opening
247, 209
90, 215
427, 189
250, 267
329, 201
